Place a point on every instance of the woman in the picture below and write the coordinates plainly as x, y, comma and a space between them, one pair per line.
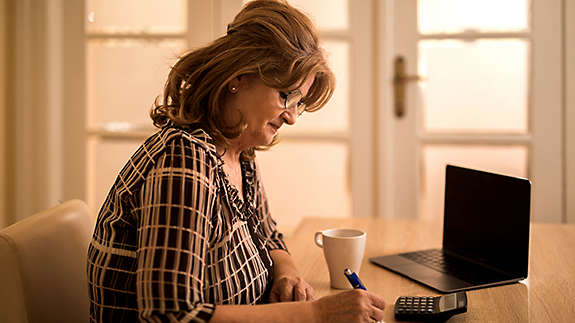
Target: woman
185, 233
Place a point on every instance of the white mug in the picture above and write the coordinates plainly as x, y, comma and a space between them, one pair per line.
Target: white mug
342, 248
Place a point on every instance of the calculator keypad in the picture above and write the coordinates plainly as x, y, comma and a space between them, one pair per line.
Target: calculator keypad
415, 305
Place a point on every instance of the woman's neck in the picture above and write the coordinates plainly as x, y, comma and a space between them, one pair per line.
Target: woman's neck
232, 153
229, 156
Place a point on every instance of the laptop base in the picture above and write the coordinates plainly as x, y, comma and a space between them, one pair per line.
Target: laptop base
439, 281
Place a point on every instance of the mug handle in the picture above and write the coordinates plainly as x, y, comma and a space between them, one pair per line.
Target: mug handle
318, 239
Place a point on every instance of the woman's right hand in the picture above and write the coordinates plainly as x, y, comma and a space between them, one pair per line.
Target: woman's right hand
351, 306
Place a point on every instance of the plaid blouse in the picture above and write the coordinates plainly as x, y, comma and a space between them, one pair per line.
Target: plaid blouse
173, 238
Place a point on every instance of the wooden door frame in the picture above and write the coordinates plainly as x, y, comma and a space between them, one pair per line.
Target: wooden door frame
569, 92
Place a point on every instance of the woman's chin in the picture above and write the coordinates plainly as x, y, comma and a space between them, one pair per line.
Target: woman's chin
268, 141
270, 136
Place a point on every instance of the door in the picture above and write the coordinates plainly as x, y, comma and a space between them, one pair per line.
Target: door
481, 88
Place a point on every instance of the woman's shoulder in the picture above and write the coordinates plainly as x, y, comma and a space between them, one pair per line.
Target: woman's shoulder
175, 140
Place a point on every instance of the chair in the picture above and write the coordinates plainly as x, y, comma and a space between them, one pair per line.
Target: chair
43, 266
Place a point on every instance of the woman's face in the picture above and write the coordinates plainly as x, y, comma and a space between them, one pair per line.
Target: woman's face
262, 108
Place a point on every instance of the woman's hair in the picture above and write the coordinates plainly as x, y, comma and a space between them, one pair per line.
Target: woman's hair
267, 38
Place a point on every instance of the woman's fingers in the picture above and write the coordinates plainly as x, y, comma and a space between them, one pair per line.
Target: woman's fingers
377, 301
299, 293
377, 313
377, 306
351, 306
309, 293
290, 289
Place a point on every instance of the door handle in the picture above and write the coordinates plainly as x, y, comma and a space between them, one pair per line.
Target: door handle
399, 80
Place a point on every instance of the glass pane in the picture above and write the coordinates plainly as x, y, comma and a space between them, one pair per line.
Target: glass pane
105, 160
452, 16
334, 116
478, 86
306, 179
125, 77
326, 14
136, 16
507, 160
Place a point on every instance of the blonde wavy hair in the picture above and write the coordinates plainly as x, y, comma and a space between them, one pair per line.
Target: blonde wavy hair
268, 38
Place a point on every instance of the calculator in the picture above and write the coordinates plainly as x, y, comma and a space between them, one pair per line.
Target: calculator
430, 309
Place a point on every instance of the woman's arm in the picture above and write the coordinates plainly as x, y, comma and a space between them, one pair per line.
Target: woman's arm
277, 313
288, 285
173, 233
345, 307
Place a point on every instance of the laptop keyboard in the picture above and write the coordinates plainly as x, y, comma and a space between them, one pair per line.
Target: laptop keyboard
445, 263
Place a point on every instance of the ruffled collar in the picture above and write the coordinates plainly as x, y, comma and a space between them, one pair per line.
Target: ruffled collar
243, 208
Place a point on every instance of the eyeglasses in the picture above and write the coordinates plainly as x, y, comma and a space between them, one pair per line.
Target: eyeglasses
293, 100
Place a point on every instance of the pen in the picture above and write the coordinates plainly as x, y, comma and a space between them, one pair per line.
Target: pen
353, 279
355, 282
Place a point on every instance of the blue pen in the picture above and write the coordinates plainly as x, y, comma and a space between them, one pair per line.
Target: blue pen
353, 279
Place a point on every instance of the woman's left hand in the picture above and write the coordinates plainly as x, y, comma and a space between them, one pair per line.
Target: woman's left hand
288, 285
289, 288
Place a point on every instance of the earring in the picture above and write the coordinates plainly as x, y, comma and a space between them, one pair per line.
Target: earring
234, 89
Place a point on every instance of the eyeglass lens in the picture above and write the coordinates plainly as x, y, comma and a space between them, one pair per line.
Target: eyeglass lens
293, 100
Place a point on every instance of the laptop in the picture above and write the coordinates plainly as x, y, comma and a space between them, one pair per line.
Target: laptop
485, 235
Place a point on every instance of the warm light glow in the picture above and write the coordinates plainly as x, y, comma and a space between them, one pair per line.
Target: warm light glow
91, 16
472, 87
305, 179
125, 76
507, 160
453, 16
137, 16
325, 14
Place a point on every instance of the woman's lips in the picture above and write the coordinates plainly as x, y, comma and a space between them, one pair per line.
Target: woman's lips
274, 127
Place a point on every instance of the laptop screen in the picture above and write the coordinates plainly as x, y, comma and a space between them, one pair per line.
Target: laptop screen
487, 218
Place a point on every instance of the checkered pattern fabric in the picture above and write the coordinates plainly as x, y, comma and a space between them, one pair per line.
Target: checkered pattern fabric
173, 239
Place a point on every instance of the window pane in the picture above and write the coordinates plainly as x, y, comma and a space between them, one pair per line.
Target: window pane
507, 160
326, 14
452, 16
334, 116
306, 179
125, 77
105, 159
141, 16
478, 86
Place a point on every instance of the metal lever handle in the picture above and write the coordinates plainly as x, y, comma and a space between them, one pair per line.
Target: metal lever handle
399, 80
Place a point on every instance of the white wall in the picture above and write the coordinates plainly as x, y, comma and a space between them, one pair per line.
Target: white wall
570, 110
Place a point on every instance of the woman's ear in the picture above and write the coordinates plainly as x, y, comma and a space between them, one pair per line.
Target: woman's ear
234, 85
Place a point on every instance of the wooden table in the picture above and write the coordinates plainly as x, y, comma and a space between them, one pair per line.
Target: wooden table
547, 295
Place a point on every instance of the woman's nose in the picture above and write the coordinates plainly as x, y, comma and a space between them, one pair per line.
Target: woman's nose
290, 116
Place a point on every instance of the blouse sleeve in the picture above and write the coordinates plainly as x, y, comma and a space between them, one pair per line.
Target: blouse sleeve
274, 239
173, 234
